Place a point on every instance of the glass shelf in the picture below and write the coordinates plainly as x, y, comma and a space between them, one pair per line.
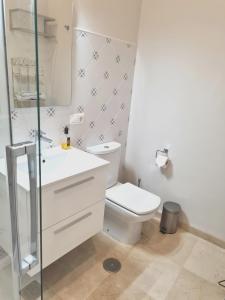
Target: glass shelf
22, 20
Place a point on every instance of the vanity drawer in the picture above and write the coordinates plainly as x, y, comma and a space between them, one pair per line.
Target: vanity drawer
68, 234
68, 197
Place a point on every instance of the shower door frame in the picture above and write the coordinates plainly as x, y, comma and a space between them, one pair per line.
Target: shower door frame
21, 267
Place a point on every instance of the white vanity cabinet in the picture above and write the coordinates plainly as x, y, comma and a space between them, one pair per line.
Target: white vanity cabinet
73, 202
72, 212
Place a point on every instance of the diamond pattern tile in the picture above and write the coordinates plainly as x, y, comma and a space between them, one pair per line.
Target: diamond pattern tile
106, 75
94, 92
14, 115
83, 34
113, 122
82, 73
115, 92
92, 124
79, 142
95, 55
118, 59
80, 109
103, 107
51, 112
32, 133
108, 40
125, 76
101, 137
122, 106
103, 69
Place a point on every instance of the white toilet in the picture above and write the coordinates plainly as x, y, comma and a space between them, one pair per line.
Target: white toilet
127, 206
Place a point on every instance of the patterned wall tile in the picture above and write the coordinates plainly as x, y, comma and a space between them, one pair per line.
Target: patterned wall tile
103, 70
14, 115
80, 109
51, 112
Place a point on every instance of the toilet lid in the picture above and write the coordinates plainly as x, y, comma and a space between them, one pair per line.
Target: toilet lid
133, 198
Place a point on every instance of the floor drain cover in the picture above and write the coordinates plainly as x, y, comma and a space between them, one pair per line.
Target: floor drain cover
112, 265
222, 283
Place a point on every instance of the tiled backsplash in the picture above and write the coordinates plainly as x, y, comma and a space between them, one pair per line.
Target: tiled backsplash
102, 78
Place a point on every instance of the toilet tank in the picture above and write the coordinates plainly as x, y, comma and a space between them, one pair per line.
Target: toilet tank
110, 152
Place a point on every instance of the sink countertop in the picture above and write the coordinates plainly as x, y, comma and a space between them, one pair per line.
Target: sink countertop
59, 165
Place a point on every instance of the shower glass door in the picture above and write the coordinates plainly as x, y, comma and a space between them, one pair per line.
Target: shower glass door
20, 193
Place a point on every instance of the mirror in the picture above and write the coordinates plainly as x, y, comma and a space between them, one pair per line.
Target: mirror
55, 39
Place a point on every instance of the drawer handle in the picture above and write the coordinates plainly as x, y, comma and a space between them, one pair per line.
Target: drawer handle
73, 223
74, 184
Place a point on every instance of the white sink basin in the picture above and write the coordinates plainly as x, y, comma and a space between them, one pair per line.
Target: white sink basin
56, 165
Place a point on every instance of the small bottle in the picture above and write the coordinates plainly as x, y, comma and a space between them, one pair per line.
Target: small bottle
68, 141
67, 144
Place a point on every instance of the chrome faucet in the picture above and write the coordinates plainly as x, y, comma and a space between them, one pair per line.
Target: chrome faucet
42, 137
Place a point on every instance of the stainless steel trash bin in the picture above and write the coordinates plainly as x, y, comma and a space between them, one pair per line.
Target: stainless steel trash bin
170, 217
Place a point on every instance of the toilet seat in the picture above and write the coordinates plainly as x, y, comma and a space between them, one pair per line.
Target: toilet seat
133, 198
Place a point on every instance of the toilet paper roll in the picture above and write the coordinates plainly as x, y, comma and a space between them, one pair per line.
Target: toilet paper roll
162, 161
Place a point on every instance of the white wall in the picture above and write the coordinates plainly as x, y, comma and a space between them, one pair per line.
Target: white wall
179, 99
116, 18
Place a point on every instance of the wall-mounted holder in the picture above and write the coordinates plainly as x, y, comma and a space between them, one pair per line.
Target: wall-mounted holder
162, 158
164, 151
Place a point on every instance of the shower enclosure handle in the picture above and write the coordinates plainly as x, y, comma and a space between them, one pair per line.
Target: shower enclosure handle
23, 264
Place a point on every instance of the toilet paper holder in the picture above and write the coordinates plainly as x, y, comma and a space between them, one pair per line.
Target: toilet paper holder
164, 151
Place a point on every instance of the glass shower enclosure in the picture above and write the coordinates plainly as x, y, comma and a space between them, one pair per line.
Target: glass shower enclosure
20, 184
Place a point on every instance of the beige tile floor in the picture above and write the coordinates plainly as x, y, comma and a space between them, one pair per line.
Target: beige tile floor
170, 267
